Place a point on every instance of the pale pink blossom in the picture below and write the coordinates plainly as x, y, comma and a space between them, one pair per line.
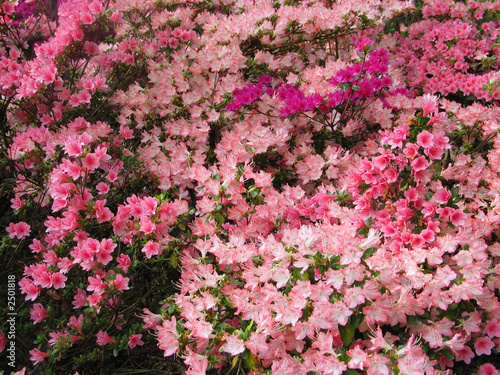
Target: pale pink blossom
233, 345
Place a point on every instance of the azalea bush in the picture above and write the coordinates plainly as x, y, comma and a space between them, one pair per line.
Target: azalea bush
278, 187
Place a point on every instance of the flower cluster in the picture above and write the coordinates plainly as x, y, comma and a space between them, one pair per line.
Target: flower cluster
452, 51
397, 248
352, 86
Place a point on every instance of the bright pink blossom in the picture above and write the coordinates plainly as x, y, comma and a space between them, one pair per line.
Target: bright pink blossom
483, 345
20, 230
168, 337
37, 356
58, 280
121, 283
425, 139
123, 262
103, 338
91, 161
38, 313
493, 328
135, 340
488, 369
151, 248
76, 323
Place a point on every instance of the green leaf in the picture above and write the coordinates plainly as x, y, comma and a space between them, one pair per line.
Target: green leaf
369, 252
348, 331
174, 260
447, 353
255, 193
219, 218
412, 320
171, 309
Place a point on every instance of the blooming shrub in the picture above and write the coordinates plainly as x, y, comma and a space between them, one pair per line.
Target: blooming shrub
264, 187
453, 50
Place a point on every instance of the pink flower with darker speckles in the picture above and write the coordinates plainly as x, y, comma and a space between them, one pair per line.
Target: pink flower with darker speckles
20, 230
483, 345
58, 280
493, 328
150, 249
90, 161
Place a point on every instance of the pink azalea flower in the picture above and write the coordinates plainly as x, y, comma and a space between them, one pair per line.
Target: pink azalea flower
91, 161
3, 341
151, 320
488, 369
412, 364
135, 340
168, 337
103, 338
233, 345
483, 345
493, 328
458, 217
424, 139
358, 357
58, 280
38, 313
79, 299
464, 354
37, 356
377, 365
29, 288
151, 248
123, 262
76, 323
20, 230
96, 284
17, 203
102, 188
197, 363
121, 283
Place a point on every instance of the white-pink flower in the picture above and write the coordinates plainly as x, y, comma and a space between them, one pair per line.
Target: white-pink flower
233, 345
